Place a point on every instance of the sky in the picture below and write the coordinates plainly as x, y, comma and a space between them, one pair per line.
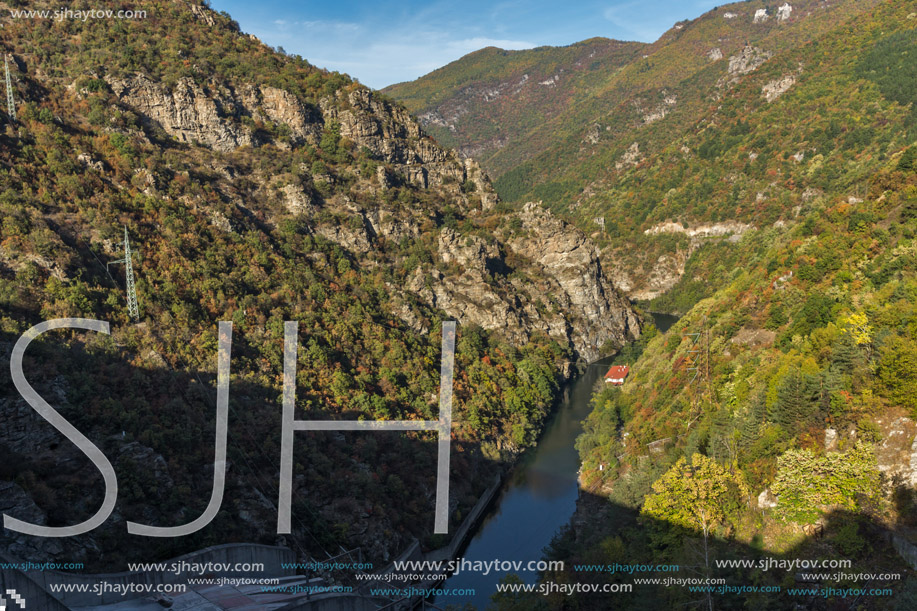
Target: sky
380, 42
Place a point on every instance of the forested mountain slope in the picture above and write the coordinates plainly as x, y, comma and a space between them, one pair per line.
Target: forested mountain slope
769, 194
256, 188
791, 394
728, 123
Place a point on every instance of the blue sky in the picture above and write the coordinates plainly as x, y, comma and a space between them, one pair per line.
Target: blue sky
381, 42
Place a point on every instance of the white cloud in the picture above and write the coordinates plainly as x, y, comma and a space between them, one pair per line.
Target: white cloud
386, 44
338, 26
631, 19
395, 56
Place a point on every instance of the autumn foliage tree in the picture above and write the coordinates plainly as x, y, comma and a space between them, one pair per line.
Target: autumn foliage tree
701, 495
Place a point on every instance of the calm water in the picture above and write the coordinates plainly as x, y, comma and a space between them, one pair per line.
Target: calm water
539, 498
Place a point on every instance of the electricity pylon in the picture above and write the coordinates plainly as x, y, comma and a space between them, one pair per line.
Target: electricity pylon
132, 308
10, 104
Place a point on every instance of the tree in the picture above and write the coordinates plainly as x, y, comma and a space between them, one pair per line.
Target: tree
908, 160
857, 326
898, 372
750, 424
701, 495
806, 483
796, 404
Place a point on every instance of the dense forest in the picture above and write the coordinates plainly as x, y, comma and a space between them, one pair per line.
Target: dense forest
214, 240
768, 422
725, 121
775, 419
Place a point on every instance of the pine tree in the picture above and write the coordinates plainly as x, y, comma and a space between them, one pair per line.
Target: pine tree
908, 160
751, 423
844, 353
796, 403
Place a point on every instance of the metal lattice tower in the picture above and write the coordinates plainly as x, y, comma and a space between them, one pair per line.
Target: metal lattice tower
132, 308
10, 104
693, 357
698, 360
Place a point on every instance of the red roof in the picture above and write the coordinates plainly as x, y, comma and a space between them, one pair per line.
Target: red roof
618, 372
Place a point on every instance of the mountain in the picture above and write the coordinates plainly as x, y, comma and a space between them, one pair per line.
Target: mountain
758, 177
257, 189
664, 138
475, 104
797, 380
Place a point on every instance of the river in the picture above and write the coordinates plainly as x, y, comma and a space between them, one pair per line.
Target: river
538, 498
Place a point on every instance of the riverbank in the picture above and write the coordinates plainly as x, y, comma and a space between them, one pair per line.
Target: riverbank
537, 498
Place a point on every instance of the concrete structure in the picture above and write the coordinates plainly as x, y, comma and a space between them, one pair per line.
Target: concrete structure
272, 557
292, 591
34, 595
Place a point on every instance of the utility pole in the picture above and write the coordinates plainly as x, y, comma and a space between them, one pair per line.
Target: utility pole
691, 360
707, 356
132, 308
10, 104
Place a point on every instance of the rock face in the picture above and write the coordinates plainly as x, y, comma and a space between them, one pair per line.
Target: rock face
660, 111
631, 157
665, 272
598, 312
15, 502
188, 112
774, 89
749, 60
23, 429
284, 108
559, 288
212, 115
702, 231
897, 452
784, 12
767, 500
830, 440
395, 137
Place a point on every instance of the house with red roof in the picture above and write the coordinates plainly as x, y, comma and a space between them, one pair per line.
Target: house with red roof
617, 374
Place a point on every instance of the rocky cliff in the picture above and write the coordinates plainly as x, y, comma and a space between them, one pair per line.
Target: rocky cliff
214, 115
555, 283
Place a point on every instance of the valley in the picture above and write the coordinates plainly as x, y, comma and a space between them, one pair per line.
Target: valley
730, 211
751, 171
